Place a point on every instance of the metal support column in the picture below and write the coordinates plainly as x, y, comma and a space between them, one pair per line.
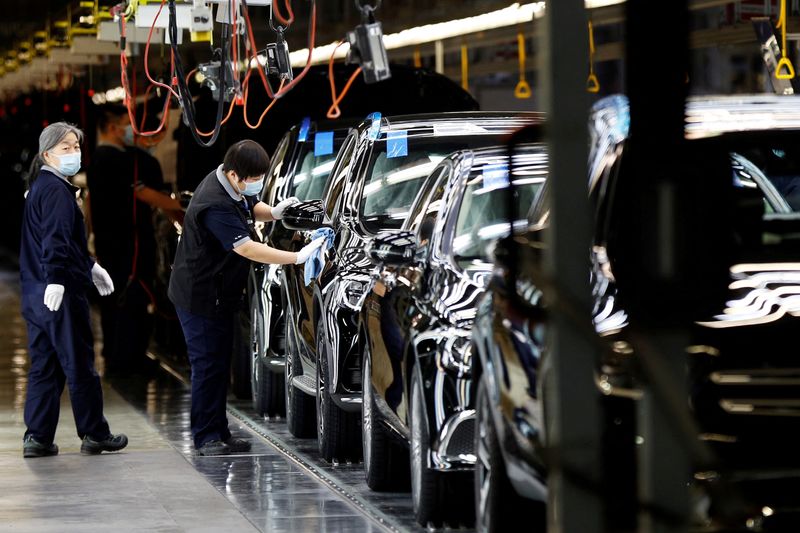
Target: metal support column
662, 256
571, 399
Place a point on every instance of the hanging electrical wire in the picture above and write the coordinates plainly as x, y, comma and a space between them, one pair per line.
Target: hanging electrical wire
334, 111
185, 97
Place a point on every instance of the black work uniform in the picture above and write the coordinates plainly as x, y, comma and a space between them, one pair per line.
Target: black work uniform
125, 245
60, 344
207, 287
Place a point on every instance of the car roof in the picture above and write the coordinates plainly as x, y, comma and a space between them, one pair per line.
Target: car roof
464, 123
707, 116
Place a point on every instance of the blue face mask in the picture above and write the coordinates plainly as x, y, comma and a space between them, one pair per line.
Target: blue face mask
253, 189
69, 164
127, 138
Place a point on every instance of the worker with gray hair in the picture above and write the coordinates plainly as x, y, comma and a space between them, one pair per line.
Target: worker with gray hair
56, 274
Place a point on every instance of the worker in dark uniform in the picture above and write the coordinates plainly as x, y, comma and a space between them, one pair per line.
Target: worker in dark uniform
123, 190
56, 273
209, 280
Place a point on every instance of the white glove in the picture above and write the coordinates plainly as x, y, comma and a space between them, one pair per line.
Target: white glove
308, 249
277, 209
102, 280
53, 296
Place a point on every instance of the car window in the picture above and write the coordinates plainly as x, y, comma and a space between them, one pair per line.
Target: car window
341, 167
421, 203
277, 169
483, 215
312, 173
395, 176
422, 219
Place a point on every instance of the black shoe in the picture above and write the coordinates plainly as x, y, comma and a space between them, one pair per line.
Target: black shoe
33, 448
112, 443
238, 445
214, 447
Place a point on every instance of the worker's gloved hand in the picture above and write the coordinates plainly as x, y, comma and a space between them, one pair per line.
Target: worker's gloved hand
278, 209
308, 249
102, 280
53, 296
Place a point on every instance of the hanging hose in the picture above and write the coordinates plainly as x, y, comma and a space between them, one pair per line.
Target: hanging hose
129, 102
592, 83
334, 111
523, 88
784, 63
185, 99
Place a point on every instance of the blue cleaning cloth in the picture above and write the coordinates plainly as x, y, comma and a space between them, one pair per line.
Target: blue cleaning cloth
316, 261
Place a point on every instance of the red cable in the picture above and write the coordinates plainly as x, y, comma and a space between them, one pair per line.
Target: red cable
147, 53
277, 11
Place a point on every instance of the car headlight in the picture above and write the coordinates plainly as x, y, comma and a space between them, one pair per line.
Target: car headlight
457, 354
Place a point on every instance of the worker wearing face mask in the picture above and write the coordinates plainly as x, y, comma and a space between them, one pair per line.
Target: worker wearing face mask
56, 273
209, 279
122, 194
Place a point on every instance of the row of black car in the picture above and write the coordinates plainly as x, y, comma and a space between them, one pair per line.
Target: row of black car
419, 344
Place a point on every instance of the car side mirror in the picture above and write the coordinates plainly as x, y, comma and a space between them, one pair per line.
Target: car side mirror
304, 216
393, 248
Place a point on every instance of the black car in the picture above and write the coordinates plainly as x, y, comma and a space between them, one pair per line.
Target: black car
299, 167
415, 327
739, 368
378, 173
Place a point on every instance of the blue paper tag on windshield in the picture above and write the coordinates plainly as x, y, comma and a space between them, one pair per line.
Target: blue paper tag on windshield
396, 144
323, 143
495, 176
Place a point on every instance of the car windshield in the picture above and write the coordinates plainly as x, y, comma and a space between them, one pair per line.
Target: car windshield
774, 169
314, 169
398, 169
483, 214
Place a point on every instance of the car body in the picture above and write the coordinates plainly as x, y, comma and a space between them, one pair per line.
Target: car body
357, 204
739, 373
299, 168
415, 326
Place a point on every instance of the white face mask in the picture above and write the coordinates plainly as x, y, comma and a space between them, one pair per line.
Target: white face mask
68, 164
253, 189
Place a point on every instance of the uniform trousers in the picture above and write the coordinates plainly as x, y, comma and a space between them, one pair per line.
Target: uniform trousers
61, 350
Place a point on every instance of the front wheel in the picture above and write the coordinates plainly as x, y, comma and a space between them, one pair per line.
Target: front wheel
269, 396
385, 460
438, 497
338, 431
497, 505
299, 405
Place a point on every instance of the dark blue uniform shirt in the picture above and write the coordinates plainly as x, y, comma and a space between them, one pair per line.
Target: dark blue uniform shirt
53, 248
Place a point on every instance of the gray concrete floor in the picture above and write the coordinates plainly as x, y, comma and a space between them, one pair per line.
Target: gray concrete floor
156, 484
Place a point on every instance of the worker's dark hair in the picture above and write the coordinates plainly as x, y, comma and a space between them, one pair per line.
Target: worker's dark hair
247, 158
109, 114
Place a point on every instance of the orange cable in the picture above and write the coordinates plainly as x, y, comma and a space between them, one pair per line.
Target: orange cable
334, 111
277, 11
266, 110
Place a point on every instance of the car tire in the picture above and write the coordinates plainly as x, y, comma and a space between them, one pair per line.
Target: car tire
338, 431
438, 498
498, 507
300, 412
385, 460
269, 396
241, 357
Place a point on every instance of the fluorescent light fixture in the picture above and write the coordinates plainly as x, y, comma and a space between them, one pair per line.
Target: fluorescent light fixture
512, 15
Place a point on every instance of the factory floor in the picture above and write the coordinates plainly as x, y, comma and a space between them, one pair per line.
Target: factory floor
156, 483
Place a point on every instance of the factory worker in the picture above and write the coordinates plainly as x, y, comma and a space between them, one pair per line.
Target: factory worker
209, 279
